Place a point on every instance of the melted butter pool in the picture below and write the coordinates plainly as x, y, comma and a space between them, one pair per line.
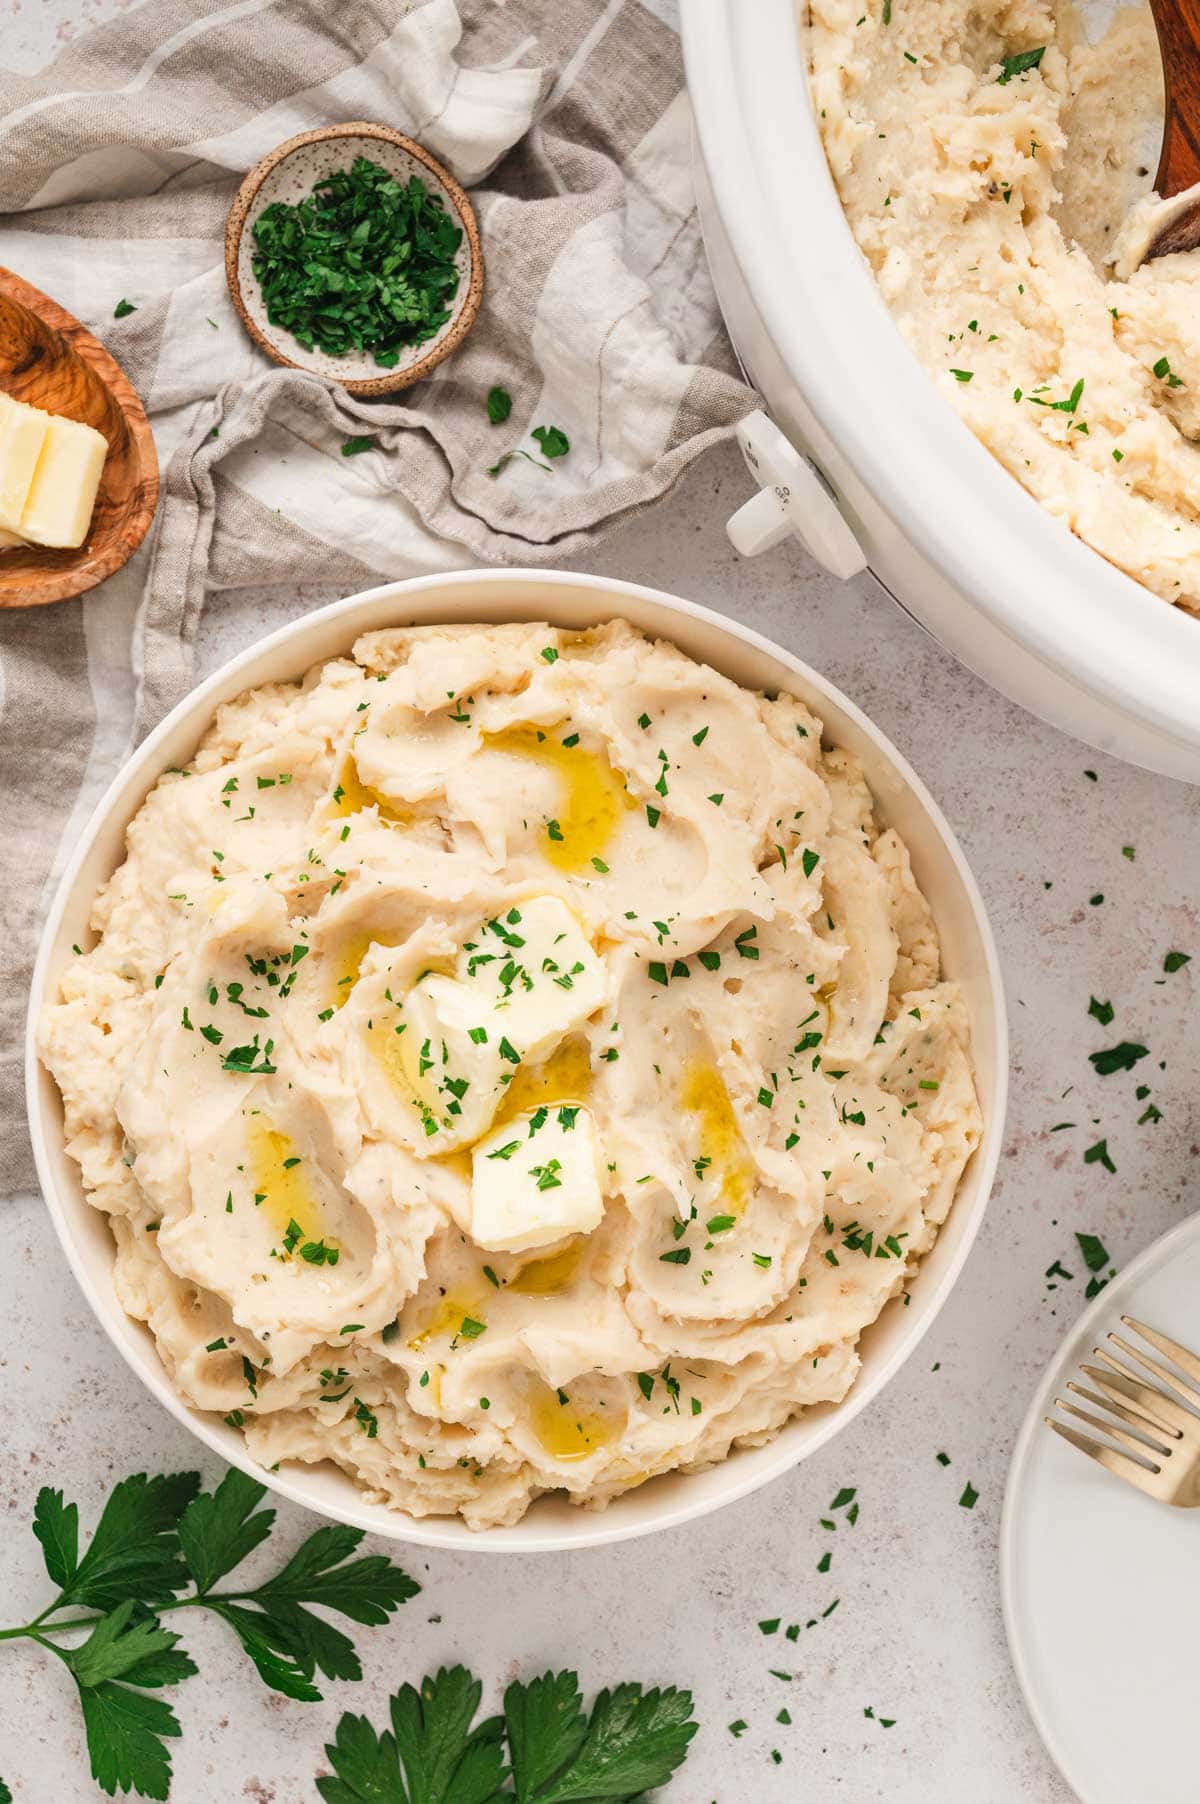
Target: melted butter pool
550, 1276
447, 1317
706, 1098
351, 795
594, 795
392, 1053
348, 964
566, 1431
278, 1175
566, 1076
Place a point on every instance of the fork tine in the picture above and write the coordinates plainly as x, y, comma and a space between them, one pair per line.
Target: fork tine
1187, 1362
1127, 1385
1140, 1448
1117, 1463
1154, 1439
1160, 1371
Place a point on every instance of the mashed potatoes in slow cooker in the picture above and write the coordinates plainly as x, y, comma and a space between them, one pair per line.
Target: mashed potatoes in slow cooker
987, 155
512, 1060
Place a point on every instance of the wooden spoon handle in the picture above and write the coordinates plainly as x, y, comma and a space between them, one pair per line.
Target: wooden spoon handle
1178, 24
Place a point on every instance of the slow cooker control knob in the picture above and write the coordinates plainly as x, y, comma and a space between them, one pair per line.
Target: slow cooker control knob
793, 499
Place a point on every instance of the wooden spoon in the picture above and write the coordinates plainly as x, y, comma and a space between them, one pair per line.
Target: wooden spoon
1178, 25
50, 360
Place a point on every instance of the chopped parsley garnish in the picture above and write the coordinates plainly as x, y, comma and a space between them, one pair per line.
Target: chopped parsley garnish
363, 263
552, 439
1094, 1252
1099, 1155
1164, 372
1122, 1057
250, 1060
499, 405
1019, 64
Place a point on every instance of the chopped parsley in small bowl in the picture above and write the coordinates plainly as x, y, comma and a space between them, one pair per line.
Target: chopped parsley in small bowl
352, 253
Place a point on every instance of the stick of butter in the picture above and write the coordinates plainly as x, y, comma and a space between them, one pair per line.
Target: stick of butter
22, 436
58, 507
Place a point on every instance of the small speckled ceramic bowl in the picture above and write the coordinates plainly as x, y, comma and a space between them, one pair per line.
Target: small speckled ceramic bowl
289, 173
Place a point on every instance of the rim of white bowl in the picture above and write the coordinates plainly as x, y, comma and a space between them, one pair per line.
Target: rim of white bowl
744, 1470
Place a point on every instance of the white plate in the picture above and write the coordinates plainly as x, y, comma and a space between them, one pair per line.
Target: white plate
1099, 1583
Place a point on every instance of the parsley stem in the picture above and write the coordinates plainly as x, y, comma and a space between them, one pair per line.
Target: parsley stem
39, 1626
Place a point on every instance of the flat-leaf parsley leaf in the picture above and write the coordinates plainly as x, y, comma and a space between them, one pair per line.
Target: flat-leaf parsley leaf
552, 439
158, 1538
436, 1753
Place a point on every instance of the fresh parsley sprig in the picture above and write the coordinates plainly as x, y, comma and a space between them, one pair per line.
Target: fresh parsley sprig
162, 1544
436, 1753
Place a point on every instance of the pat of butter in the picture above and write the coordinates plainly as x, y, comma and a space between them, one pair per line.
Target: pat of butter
22, 436
536, 1179
524, 980
534, 966
62, 494
9, 539
450, 1053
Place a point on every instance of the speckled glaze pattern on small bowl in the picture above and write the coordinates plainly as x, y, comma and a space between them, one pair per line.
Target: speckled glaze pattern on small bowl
289, 173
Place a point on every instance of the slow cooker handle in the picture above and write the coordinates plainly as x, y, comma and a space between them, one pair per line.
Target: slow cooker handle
794, 499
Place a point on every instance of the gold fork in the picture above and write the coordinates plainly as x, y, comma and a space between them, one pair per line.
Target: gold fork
1161, 1434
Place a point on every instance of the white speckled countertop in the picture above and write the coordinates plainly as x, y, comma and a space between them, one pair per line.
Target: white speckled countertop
917, 1634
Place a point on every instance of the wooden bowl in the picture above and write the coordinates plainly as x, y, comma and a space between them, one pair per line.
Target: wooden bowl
290, 173
49, 360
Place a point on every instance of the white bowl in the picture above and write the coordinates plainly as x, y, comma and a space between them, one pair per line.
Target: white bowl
570, 601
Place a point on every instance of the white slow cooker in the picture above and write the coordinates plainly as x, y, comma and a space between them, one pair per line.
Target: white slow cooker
863, 459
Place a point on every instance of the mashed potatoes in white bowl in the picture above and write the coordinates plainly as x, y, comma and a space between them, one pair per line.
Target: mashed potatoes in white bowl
519, 1041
